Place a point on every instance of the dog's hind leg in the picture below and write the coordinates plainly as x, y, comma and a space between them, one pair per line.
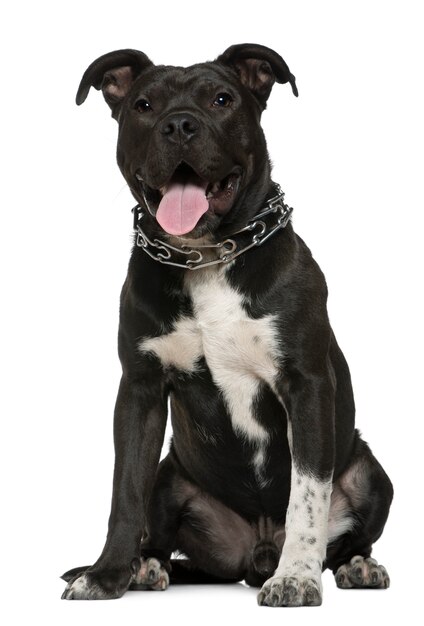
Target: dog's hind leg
182, 518
359, 508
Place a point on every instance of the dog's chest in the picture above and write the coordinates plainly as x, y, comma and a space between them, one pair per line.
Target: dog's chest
240, 352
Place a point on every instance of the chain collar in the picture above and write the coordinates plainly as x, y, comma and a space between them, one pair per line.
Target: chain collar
229, 249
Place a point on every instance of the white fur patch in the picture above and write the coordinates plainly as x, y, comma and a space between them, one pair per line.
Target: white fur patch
306, 527
258, 462
240, 352
181, 348
80, 586
83, 589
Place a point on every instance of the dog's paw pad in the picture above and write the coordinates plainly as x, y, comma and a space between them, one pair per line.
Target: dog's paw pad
362, 573
290, 591
152, 575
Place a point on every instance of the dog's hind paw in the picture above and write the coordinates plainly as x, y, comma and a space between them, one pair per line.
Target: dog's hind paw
151, 575
362, 573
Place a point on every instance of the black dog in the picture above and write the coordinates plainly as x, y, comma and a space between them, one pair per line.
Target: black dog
224, 312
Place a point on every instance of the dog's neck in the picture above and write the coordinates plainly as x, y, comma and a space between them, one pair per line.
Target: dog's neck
195, 254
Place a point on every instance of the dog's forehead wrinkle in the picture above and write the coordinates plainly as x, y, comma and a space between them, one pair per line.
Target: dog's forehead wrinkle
183, 80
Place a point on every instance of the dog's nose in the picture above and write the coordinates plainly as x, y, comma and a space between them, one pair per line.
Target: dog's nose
179, 127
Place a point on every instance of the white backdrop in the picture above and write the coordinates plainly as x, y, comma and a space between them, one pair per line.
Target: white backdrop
348, 152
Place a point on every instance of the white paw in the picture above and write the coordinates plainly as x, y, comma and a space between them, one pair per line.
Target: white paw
291, 591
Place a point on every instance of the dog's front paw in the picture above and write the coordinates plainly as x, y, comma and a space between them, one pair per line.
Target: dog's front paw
291, 591
98, 585
151, 575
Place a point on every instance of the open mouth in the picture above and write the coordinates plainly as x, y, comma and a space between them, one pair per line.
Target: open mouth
186, 197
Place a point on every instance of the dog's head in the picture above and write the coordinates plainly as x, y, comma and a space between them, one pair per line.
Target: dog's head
190, 141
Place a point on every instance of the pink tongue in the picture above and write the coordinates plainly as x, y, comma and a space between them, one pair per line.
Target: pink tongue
181, 208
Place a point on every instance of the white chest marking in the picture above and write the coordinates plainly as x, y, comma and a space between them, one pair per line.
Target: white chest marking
240, 352
181, 348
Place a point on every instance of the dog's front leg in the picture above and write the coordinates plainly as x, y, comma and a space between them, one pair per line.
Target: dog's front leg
139, 425
309, 401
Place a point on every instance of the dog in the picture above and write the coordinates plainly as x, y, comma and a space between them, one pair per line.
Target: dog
223, 312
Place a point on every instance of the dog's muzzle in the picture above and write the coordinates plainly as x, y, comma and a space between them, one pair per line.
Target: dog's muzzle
179, 204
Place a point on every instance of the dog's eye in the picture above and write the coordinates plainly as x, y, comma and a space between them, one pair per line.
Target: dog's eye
222, 100
142, 106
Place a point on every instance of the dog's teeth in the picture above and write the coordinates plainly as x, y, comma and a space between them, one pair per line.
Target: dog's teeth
138, 177
230, 185
213, 189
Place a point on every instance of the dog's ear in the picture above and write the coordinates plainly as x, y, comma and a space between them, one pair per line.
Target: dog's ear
113, 73
258, 67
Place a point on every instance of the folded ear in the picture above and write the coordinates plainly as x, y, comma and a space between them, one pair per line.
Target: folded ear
258, 68
113, 73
